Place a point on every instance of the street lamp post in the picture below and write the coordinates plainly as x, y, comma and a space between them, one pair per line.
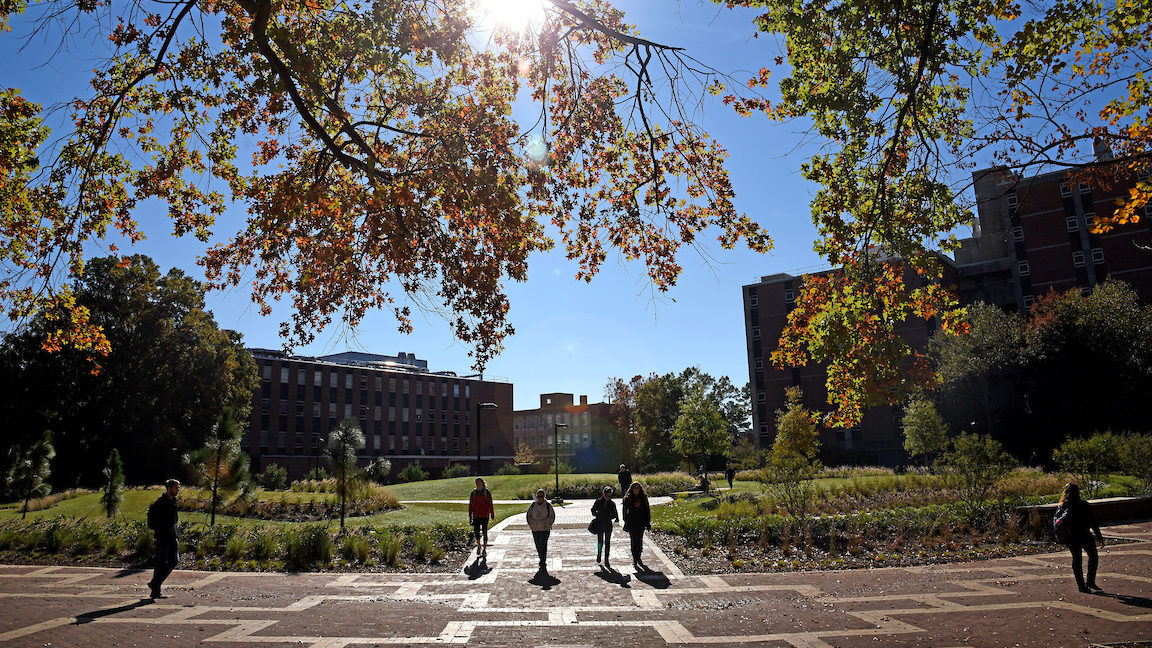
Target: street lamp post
320, 441
480, 406
556, 454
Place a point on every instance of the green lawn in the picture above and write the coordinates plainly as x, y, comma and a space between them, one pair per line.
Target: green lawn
502, 486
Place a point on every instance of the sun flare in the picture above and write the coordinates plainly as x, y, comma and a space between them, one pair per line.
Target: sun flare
517, 15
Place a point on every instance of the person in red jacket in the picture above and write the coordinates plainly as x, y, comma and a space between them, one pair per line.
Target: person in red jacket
480, 511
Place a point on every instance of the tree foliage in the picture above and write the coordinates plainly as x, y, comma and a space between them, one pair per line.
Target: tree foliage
925, 433
344, 444
1090, 459
378, 470
28, 473
220, 465
162, 386
793, 462
387, 168
700, 430
273, 477
974, 465
524, 454
112, 494
901, 98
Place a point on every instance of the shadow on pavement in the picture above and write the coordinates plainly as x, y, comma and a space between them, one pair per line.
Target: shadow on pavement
653, 579
544, 580
128, 572
477, 569
89, 617
1128, 599
614, 577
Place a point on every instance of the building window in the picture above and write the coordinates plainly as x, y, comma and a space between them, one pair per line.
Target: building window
1144, 174
267, 372
1065, 190
299, 409
456, 390
1017, 233
419, 415
1078, 259
317, 377
1097, 255
1023, 268
403, 416
419, 388
1012, 199
761, 397
753, 301
467, 391
755, 332
1028, 301
759, 364
332, 380
284, 374
1072, 224
316, 410
331, 410
347, 381
391, 413
1084, 188
300, 376
789, 295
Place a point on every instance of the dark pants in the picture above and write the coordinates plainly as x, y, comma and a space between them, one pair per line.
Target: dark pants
541, 540
480, 529
637, 537
167, 554
604, 541
1089, 547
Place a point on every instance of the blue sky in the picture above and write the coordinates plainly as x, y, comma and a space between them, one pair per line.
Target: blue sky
571, 336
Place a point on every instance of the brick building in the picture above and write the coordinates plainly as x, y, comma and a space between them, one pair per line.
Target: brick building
590, 442
407, 413
1030, 236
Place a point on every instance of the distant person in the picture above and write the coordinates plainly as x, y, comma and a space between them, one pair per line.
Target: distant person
637, 519
541, 517
1081, 525
481, 509
729, 474
703, 479
162, 519
604, 510
624, 477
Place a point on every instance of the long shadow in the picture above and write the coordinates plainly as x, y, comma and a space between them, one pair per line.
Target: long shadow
89, 617
128, 572
544, 580
1128, 599
653, 578
477, 569
612, 576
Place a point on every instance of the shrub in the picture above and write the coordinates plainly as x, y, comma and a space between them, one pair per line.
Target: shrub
974, 465
9, 539
114, 544
456, 470
307, 545
355, 547
437, 555
145, 544
390, 545
88, 540
412, 473
317, 474
422, 545
508, 469
378, 470
235, 547
58, 537
1089, 459
263, 545
1136, 459
274, 477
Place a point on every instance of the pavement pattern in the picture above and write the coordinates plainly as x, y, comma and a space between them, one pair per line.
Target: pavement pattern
504, 600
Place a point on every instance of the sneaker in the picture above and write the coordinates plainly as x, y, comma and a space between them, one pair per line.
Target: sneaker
1084, 588
1094, 587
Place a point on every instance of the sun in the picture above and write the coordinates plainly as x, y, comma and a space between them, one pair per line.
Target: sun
517, 15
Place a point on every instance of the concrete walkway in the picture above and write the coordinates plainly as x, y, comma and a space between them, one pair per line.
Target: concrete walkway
505, 601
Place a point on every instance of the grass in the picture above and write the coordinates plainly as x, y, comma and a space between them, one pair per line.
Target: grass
502, 486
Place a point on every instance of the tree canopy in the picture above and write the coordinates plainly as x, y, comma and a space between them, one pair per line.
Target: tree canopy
387, 168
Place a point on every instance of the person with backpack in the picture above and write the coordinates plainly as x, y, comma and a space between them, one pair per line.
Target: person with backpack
481, 509
603, 514
1075, 524
162, 519
541, 517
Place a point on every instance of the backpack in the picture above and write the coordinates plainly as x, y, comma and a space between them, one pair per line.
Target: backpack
1061, 524
152, 514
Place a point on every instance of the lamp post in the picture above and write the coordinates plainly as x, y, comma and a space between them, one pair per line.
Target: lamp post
320, 441
480, 406
556, 453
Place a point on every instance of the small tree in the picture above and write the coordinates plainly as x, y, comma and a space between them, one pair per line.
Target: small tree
792, 464
30, 470
745, 456
974, 466
113, 485
524, 454
1136, 459
274, 477
1089, 459
456, 470
344, 444
412, 473
925, 433
220, 465
378, 470
700, 431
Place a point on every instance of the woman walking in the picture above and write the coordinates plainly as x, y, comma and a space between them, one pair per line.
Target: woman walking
541, 517
637, 518
604, 510
1081, 524
480, 510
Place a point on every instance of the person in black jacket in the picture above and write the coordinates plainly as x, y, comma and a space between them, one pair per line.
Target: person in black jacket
624, 477
1082, 525
637, 518
162, 519
604, 510
729, 474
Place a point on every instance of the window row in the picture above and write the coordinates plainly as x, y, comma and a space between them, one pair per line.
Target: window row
333, 381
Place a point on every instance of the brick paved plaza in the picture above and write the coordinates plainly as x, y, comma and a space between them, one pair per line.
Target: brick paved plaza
1027, 601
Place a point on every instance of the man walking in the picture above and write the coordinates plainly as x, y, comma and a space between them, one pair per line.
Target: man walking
625, 478
162, 519
541, 517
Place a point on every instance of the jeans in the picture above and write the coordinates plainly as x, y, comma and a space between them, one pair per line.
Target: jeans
541, 540
167, 555
637, 537
1089, 547
604, 542
480, 529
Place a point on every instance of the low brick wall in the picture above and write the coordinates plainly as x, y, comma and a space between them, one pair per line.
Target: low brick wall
1109, 509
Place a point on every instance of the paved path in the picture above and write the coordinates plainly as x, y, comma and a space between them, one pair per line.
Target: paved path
1027, 601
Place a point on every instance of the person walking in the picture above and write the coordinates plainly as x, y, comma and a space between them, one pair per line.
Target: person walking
604, 510
481, 509
1081, 524
162, 519
729, 474
541, 517
624, 477
637, 519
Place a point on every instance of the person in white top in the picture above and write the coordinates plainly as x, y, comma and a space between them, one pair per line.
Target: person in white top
541, 517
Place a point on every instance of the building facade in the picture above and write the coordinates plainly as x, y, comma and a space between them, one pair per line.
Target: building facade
407, 413
1030, 236
590, 441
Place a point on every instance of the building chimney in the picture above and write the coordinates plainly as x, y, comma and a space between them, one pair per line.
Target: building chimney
583, 399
